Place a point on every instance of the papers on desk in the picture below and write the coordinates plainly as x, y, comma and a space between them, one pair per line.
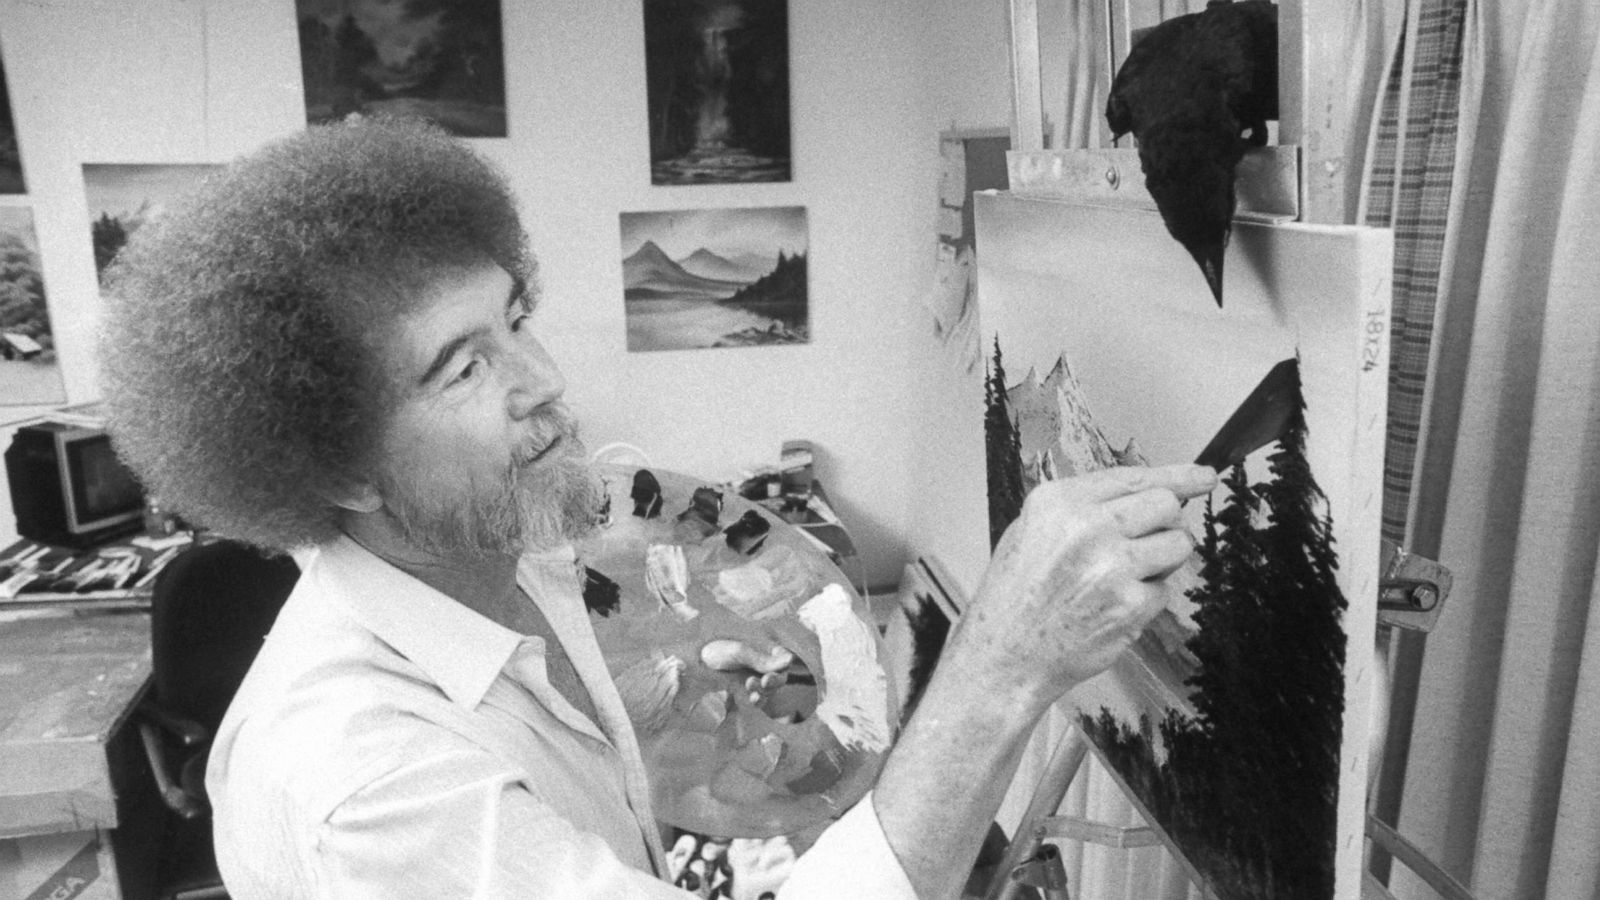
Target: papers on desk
118, 575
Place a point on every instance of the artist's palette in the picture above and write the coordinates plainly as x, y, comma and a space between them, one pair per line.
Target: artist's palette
720, 761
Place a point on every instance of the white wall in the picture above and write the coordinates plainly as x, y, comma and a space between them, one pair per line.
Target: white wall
204, 80
966, 77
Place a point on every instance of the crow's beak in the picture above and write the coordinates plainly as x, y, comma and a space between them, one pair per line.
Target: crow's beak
1210, 259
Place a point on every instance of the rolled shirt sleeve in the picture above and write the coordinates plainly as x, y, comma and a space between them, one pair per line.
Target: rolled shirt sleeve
852, 858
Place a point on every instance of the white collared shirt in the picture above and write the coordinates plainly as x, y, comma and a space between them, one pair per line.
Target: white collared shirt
390, 742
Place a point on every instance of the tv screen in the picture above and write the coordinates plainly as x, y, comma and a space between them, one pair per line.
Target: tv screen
102, 485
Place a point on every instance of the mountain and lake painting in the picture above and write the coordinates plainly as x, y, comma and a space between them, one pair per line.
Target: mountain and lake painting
700, 278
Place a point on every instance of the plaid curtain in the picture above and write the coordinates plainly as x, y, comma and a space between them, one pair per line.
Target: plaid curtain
1410, 164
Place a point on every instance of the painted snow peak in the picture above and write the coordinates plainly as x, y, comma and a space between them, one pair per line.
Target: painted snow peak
1037, 431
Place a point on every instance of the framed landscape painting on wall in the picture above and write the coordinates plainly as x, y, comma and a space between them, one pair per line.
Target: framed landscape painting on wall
29, 371
442, 60
695, 278
123, 197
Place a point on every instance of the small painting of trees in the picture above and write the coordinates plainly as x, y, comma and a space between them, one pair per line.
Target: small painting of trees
442, 60
29, 372
122, 198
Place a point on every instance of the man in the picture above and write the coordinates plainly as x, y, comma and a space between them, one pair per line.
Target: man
332, 347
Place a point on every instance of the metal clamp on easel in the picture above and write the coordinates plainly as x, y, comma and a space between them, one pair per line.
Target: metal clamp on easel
1044, 872
1412, 591
1411, 595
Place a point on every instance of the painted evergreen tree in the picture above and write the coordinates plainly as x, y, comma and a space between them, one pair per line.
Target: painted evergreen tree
1249, 784
1003, 449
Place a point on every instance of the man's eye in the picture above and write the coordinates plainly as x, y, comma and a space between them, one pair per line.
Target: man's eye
520, 318
468, 371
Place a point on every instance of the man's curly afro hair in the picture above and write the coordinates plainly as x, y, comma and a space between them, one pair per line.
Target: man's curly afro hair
238, 357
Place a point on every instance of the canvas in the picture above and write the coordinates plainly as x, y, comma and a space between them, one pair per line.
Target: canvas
29, 370
1238, 723
441, 60
717, 73
697, 278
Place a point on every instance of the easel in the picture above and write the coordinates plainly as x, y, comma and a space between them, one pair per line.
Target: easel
1032, 862
1305, 181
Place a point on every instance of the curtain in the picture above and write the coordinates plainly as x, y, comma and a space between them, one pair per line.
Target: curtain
1502, 780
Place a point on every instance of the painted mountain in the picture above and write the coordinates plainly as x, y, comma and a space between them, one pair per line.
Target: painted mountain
651, 274
715, 278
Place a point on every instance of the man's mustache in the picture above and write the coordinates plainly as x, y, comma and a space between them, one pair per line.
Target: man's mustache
551, 425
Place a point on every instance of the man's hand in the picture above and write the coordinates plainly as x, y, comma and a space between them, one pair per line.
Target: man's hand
1076, 578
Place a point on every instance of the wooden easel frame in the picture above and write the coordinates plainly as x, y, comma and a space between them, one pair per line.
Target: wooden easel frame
1311, 39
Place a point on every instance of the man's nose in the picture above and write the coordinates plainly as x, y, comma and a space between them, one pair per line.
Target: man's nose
535, 381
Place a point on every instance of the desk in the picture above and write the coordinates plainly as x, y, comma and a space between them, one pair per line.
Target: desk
67, 683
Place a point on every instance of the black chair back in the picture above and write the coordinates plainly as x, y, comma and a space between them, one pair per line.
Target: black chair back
212, 607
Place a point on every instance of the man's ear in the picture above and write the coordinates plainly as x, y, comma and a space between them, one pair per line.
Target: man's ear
356, 496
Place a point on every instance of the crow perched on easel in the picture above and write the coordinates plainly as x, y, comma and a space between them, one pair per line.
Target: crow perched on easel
1196, 91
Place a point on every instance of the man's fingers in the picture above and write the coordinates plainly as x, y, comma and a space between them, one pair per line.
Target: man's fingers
1136, 515
1185, 481
1155, 556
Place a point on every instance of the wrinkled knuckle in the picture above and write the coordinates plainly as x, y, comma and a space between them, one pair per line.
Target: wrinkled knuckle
1170, 507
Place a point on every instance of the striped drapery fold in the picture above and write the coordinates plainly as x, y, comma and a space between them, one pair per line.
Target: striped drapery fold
1411, 165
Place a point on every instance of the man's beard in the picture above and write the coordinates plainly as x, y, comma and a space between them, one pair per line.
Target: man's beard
531, 506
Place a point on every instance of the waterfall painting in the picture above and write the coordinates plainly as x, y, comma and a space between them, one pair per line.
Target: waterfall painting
695, 278
1237, 725
717, 76
441, 60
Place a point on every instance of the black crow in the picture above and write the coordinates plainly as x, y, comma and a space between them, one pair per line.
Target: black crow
1195, 91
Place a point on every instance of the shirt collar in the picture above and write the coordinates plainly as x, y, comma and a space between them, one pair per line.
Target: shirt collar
460, 650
